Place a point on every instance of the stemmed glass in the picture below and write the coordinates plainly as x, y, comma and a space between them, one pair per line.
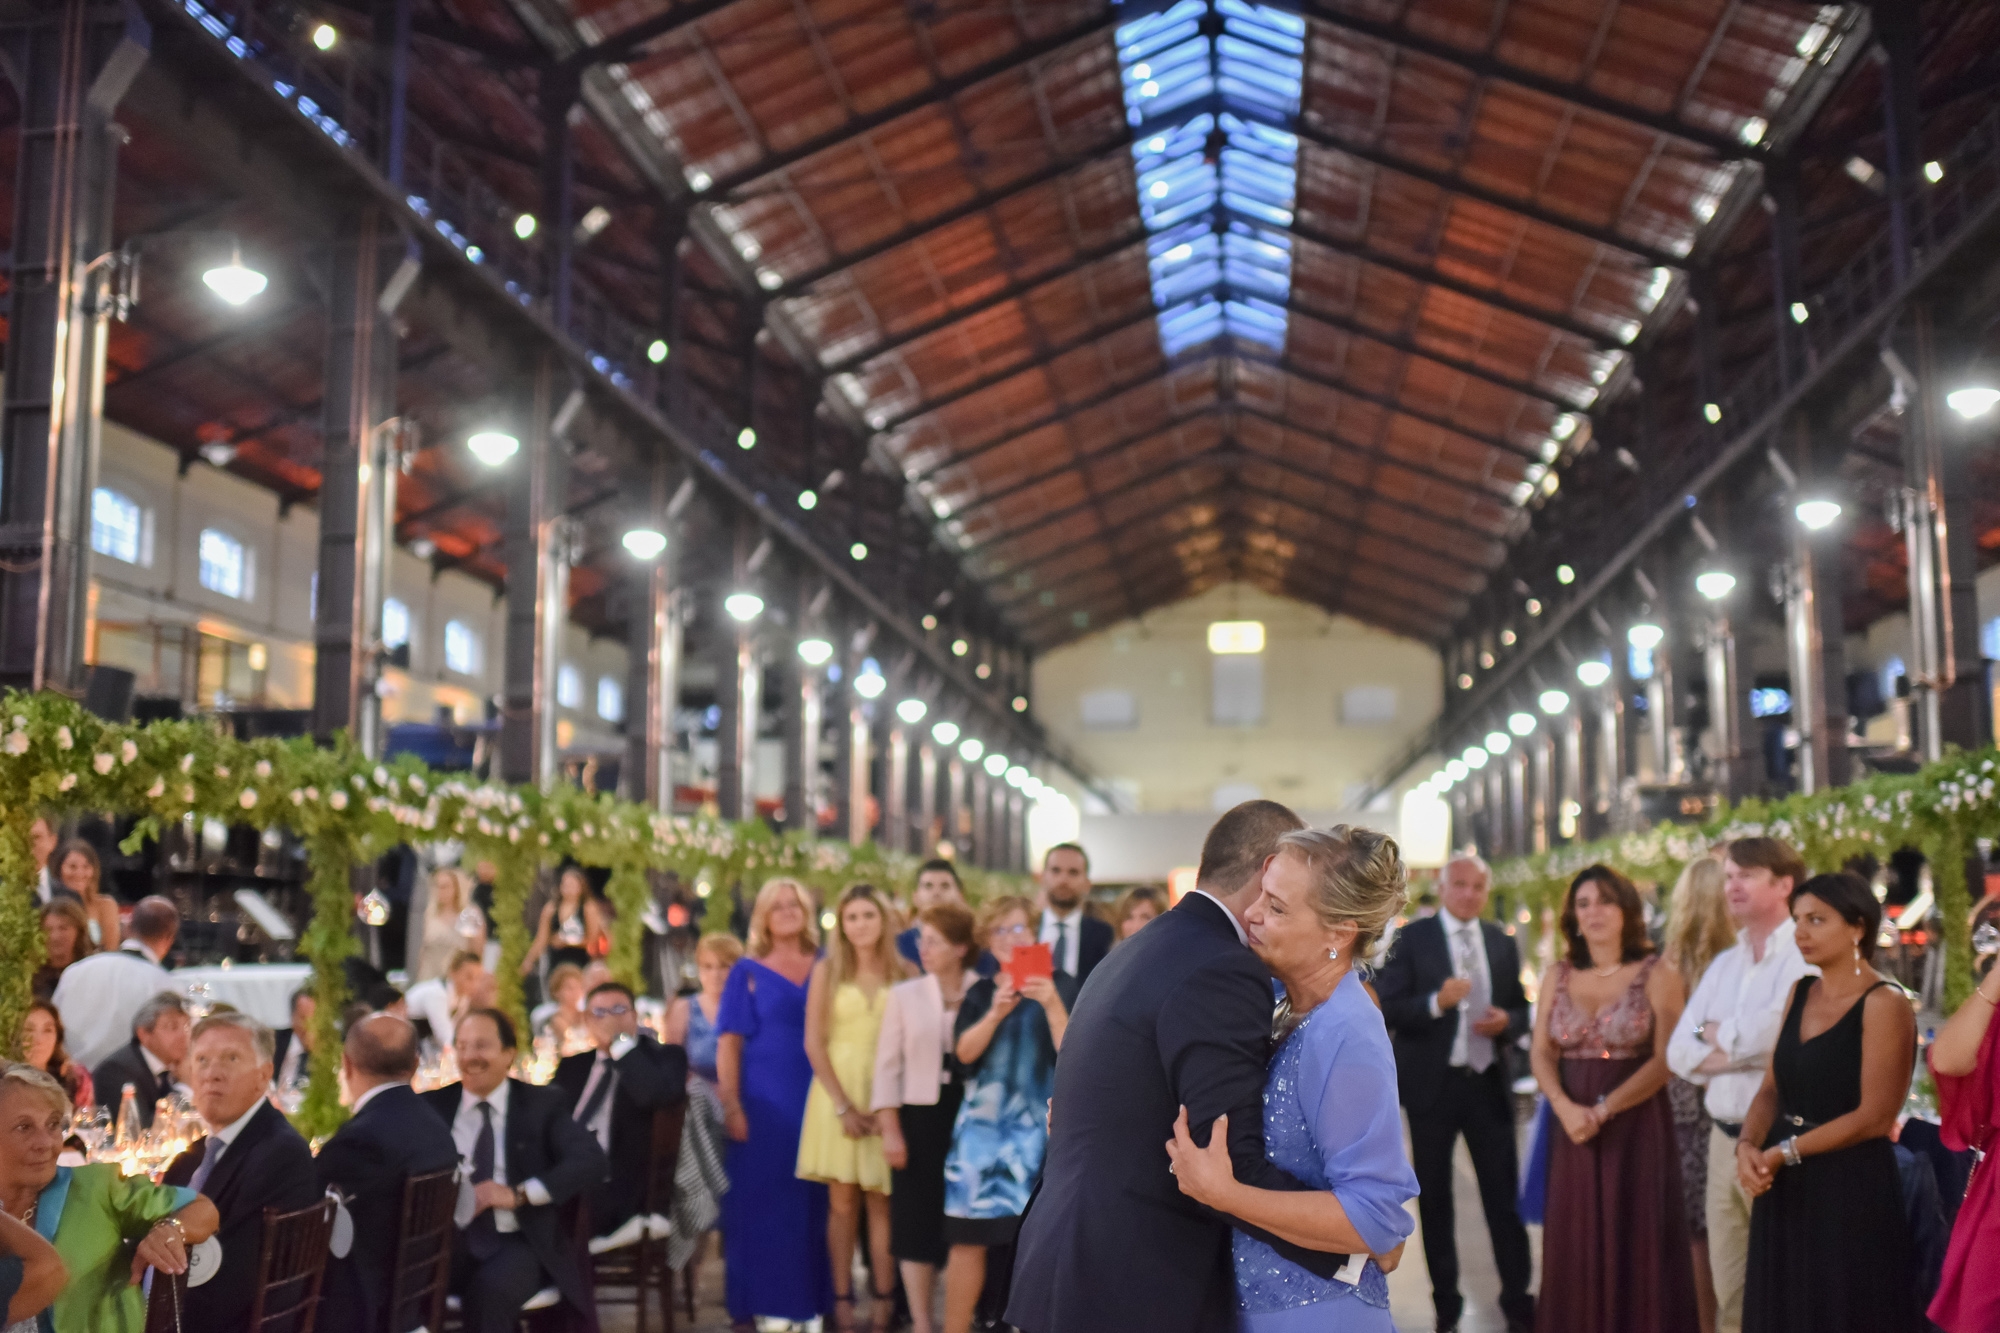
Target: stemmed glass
92, 1126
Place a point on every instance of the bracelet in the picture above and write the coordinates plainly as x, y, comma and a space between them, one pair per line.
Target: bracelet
1980, 991
175, 1223
1790, 1149
843, 1110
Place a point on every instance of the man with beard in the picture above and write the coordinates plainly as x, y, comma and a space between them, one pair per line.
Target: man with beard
1077, 940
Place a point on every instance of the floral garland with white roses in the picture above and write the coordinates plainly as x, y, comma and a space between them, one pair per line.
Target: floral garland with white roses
1942, 809
348, 810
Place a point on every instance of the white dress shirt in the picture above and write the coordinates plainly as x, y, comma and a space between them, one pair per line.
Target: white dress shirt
1072, 926
432, 1000
600, 1069
297, 1060
99, 995
1242, 935
1741, 999
465, 1134
370, 1095
1466, 946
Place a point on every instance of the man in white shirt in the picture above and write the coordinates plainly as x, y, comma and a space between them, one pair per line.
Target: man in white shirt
99, 995
466, 984
1726, 1035
1077, 940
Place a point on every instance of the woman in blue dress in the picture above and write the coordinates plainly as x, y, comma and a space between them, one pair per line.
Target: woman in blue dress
1006, 1044
773, 1223
1330, 1111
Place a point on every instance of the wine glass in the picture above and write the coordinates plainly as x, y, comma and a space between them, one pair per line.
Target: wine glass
1986, 940
95, 1129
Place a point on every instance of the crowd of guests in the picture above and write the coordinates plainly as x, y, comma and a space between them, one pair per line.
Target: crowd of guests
1721, 1098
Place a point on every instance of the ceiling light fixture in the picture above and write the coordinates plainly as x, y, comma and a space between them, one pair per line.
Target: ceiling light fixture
746, 438
1715, 584
815, 652
645, 543
1817, 513
1458, 770
912, 710
492, 447
944, 733
1475, 756
1973, 401
657, 351
970, 749
959, 647
1521, 724
1553, 701
1645, 636
870, 684
1565, 575
1020, 704
1499, 742
858, 551
524, 226
1593, 671
235, 282
743, 606
808, 499
996, 764
326, 36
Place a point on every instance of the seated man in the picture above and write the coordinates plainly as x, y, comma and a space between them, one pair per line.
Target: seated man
510, 1241
159, 1043
435, 1005
615, 1090
250, 1160
295, 1043
391, 1137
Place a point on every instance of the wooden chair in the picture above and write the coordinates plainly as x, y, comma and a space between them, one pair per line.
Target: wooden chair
164, 1305
290, 1265
642, 1265
422, 1274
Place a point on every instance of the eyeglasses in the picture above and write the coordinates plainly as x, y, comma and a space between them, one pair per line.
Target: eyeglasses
1004, 931
615, 1011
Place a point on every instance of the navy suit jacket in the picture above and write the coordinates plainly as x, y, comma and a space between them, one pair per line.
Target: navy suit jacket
268, 1166
368, 1160
1419, 962
125, 1065
1178, 1015
650, 1076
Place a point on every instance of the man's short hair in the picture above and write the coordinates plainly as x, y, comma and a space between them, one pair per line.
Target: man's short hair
381, 995
501, 1023
618, 986
1239, 844
939, 866
1067, 847
1772, 854
153, 1010
383, 1046
155, 918
304, 992
460, 959
262, 1039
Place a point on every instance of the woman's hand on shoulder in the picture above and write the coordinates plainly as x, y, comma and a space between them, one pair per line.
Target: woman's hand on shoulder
1205, 1175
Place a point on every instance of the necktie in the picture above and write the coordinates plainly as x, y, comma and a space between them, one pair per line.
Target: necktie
211, 1153
481, 1238
1062, 946
1478, 1049
599, 1094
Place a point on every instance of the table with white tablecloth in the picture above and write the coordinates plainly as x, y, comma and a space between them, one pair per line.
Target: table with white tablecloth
261, 990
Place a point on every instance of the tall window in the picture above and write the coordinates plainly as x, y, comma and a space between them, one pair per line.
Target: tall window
225, 564
117, 525
610, 699
461, 648
395, 623
569, 686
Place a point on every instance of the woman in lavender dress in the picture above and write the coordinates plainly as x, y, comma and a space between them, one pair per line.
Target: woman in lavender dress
1330, 1111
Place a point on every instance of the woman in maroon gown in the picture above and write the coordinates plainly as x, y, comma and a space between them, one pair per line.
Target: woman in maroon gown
1615, 1255
1965, 1061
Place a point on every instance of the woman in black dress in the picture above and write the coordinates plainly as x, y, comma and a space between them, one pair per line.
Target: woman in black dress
1830, 1248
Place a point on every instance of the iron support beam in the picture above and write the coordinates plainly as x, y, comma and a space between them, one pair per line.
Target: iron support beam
1787, 272
390, 27
1040, 360
557, 93
537, 556
1898, 29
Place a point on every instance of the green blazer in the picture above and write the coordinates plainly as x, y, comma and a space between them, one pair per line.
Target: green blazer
95, 1217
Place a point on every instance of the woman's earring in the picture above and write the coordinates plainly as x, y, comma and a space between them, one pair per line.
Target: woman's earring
1332, 954
1857, 958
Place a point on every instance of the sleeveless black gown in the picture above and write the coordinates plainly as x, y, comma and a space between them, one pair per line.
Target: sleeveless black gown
1830, 1247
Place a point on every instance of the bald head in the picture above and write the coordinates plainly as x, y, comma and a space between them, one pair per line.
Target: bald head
380, 1048
155, 922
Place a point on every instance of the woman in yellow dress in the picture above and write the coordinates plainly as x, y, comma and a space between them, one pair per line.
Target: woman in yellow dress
839, 1143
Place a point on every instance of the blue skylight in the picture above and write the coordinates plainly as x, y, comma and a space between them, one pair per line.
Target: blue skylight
1217, 164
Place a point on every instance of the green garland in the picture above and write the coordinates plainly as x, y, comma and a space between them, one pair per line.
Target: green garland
347, 811
1940, 809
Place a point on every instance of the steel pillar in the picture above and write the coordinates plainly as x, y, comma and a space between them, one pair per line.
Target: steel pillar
1569, 788
71, 64
654, 637
860, 759
1542, 803
928, 831
982, 820
805, 723
1017, 830
896, 788
739, 691
538, 559
958, 815
391, 42
1781, 179
557, 96
1733, 770
1813, 639
1897, 28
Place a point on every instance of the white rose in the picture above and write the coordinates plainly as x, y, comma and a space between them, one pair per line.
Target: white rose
338, 800
312, 793
247, 799
63, 739
17, 742
263, 768
68, 781
298, 797
103, 763
381, 776
187, 763
128, 751
221, 772
20, 719
157, 790
187, 793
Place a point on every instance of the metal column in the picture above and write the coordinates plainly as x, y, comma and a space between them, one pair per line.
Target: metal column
860, 759
557, 95
71, 65
1897, 29
1813, 639
1732, 769
927, 828
805, 723
658, 623
1781, 178
538, 557
896, 789
739, 691
958, 816
1542, 803
1569, 790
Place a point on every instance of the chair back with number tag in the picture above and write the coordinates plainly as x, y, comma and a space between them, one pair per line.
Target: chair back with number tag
290, 1265
422, 1274
641, 1264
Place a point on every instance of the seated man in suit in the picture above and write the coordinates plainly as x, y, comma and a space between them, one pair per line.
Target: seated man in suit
295, 1043
391, 1137
250, 1160
159, 1043
615, 1090
510, 1241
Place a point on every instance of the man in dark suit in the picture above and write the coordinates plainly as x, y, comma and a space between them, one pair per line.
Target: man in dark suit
159, 1043
390, 1137
525, 1158
251, 1159
1451, 995
293, 1058
1180, 1015
1077, 939
613, 1093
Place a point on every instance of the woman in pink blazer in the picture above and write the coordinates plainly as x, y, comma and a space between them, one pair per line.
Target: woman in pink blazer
916, 1098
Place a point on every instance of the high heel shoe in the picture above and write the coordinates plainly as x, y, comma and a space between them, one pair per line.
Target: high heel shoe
882, 1311
843, 1313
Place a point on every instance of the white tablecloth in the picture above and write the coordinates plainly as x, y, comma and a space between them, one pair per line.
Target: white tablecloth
261, 990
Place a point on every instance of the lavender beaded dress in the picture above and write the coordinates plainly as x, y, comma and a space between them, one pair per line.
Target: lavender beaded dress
1331, 1120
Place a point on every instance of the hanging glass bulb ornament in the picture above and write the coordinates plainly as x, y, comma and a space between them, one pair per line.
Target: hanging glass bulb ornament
373, 909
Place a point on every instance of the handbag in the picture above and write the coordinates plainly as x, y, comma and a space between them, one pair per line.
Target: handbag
1534, 1197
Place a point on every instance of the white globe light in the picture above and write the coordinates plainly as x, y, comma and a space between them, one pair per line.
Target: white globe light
234, 282
1521, 724
1816, 514
1458, 770
1593, 671
944, 733
870, 684
1016, 776
1498, 741
1715, 584
743, 606
1973, 402
1475, 756
492, 447
971, 748
996, 764
815, 652
645, 543
1441, 781
1645, 636
1553, 701
912, 710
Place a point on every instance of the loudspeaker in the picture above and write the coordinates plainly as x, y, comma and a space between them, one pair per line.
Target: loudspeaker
108, 693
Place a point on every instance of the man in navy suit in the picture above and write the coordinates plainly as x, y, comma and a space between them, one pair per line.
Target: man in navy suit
613, 1092
390, 1137
1077, 940
1178, 1016
1451, 995
526, 1158
250, 1160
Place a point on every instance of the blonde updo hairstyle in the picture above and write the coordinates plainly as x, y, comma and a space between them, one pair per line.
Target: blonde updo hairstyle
1357, 876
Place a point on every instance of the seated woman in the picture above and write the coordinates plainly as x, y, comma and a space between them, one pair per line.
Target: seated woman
94, 1214
562, 1015
42, 1047
1330, 1112
82, 873
65, 938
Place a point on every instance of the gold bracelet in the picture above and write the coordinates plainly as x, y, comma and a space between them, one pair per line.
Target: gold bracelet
1981, 993
175, 1223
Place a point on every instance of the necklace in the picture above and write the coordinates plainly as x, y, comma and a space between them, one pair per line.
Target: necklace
1606, 971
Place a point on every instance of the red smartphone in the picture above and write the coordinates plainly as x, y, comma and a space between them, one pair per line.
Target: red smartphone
1030, 960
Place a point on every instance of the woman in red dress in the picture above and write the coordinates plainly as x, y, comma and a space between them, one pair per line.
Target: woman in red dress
1965, 1061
